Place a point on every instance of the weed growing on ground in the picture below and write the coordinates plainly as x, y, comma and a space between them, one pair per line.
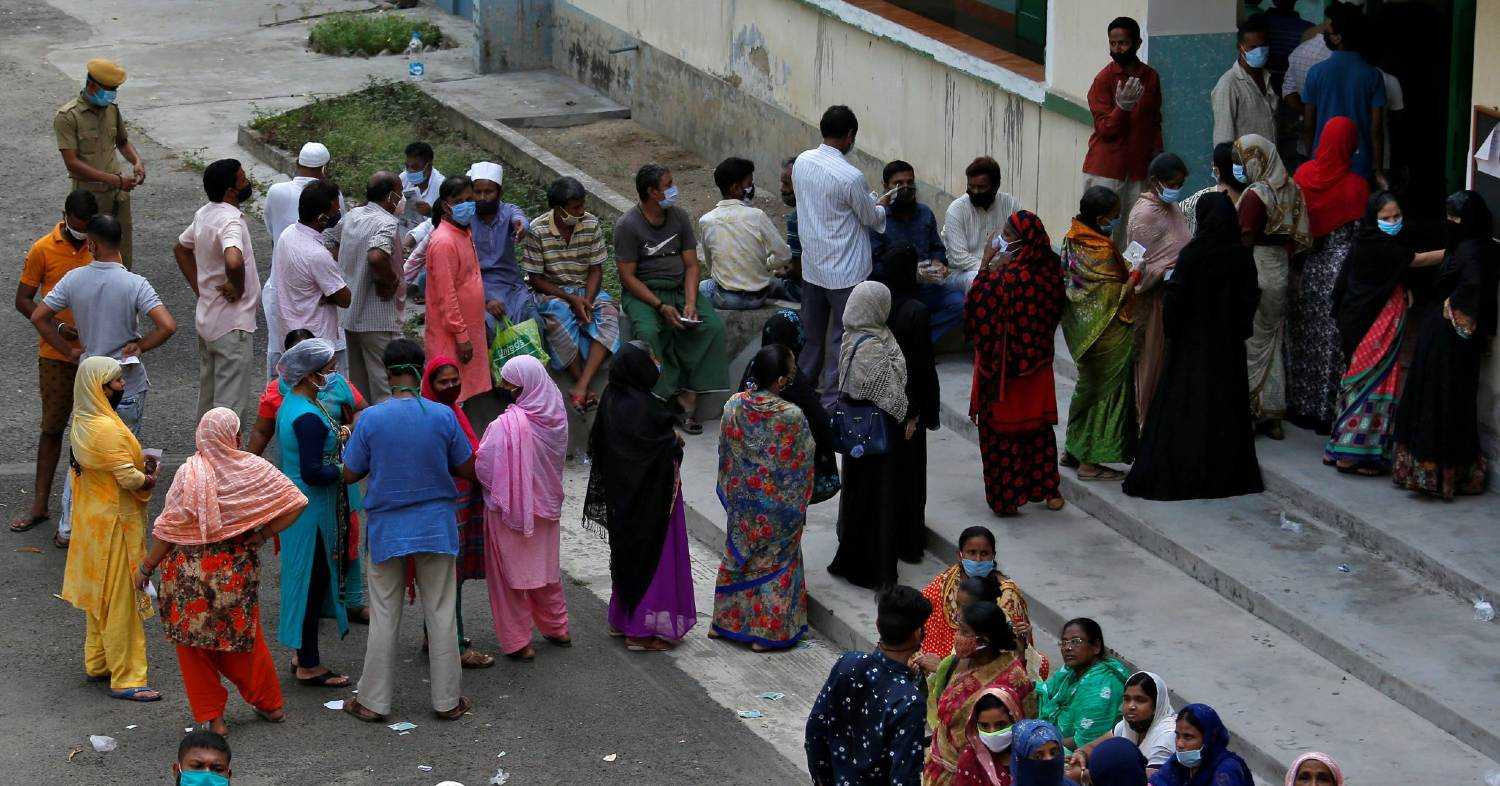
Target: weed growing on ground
362, 34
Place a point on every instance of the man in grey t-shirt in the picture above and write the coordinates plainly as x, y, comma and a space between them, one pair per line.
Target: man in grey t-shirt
657, 255
107, 302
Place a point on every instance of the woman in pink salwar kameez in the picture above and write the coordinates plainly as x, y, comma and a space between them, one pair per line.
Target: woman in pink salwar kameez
520, 464
455, 291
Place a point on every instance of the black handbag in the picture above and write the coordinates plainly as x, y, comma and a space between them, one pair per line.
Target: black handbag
859, 428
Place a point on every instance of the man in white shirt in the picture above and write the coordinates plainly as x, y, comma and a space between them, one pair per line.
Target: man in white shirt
420, 183
973, 219
310, 286
216, 257
834, 210
740, 244
281, 212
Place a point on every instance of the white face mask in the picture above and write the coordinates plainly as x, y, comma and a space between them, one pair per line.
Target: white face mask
996, 741
79, 236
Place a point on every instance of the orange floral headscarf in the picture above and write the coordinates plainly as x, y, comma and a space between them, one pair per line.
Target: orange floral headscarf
221, 491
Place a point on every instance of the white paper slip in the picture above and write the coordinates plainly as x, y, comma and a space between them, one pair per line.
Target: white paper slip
1135, 254
133, 360
1488, 155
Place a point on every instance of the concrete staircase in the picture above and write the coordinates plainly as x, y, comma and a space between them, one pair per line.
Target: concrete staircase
1382, 666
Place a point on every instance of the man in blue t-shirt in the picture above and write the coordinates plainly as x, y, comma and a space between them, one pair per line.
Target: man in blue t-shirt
410, 449
1346, 84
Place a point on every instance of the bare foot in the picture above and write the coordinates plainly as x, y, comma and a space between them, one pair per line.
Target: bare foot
219, 727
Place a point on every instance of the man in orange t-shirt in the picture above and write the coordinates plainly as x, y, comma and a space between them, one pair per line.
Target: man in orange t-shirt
50, 258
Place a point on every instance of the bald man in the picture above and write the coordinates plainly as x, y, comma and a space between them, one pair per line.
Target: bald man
89, 131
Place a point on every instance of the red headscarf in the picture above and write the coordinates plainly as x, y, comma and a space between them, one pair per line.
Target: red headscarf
428, 393
1335, 194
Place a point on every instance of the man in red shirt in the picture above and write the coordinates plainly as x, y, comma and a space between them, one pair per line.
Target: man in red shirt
1125, 101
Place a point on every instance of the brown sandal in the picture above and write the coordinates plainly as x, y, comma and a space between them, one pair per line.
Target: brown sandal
464, 705
474, 659
360, 711
647, 645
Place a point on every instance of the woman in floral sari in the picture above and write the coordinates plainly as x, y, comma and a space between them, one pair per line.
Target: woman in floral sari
1011, 315
766, 458
985, 655
1097, 326
223, 504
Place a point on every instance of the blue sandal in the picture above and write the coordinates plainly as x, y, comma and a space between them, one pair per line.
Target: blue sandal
134, 694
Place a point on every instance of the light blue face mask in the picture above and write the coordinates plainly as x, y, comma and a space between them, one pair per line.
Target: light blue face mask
669, 197
414, 178
1239, 173
977, 569
102, 97
1392, 228
1171, 195
1256, 58
462, 212
1190, 759
1107, 226
201, 778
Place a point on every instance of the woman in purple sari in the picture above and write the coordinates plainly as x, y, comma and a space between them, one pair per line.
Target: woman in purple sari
634, 500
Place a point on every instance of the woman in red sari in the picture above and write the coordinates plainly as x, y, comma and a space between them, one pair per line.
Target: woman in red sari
985, 655
1011, 315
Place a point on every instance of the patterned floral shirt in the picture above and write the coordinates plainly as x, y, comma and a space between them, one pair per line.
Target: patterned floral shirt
210, 595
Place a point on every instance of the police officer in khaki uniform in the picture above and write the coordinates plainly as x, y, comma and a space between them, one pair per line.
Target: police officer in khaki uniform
89, 131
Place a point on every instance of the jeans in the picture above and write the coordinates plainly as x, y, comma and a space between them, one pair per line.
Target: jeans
730, 300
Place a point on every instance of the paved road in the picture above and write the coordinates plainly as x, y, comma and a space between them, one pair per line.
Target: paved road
555, 719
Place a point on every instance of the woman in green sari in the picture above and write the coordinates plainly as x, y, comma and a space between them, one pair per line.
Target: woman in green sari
1083, 699
1096, 325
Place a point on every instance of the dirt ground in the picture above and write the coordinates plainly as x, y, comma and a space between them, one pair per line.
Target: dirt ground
612, 150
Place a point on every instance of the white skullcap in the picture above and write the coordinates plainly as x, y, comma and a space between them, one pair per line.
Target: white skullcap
313, 154
487, 170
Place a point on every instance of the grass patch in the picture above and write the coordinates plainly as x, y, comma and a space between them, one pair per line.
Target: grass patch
371, 34
368, 131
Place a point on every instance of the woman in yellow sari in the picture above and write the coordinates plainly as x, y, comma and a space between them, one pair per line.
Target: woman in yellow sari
985, 655
112, 481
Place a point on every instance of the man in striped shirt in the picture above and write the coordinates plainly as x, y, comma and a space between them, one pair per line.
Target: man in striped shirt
563, 257
834, 212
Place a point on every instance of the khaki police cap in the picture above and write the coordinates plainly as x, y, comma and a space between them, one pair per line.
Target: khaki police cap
108, 74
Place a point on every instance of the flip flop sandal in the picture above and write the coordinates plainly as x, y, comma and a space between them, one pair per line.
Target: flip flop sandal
474, 659
134, 694
360, 711
689, 425
268, 717
1103, 474
58, 541
25, 524
464, 705
559, 641
648, 645
323, 680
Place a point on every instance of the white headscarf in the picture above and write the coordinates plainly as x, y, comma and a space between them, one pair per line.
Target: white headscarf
877, 373
1160, 740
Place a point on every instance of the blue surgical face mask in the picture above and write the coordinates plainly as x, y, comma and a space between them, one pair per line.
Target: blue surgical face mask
1239, 173
669, 197
1107, 226
462, 212
201, 778
102, 97
1190, 759
1256, 58
1171, 195
974, 567
1392, 228
413, 178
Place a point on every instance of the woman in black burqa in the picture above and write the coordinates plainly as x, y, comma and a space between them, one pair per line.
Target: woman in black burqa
1198, 441
635, 501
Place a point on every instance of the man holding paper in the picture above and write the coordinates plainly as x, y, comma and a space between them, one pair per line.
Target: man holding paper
107, 302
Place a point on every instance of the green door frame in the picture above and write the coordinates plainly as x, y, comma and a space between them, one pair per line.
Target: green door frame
1460, 91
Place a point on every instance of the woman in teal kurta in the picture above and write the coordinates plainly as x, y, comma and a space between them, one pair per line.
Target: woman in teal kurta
312, 584
1083, 698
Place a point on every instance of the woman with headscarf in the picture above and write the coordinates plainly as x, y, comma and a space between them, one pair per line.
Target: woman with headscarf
1116, 762
442, 382
634, 500
765, 482
520, 465
1335, 197
1437, 423
1203, 757
1011, 315
455, 289
872, 369
112, 481
1314, 769
986, 654
784, 328
222, 505
1370, 301
1199, 441
1097, 326
1147, 722
986, 761
1273, 223
910, 322
1036, 755
314, 549
1161, 230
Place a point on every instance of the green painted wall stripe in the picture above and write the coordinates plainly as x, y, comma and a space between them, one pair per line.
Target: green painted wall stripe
1067, 107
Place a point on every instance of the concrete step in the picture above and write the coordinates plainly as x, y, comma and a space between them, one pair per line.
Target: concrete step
1278, 696
1379, 621
538, 99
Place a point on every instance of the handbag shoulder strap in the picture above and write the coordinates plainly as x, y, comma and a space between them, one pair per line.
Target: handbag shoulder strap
852, 354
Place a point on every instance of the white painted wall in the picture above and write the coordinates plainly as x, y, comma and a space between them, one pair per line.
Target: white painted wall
1078, 41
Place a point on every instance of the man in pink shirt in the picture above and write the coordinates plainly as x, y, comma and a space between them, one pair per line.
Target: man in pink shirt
310, 288
216, 258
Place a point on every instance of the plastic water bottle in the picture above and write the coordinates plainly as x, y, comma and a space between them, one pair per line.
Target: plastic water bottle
415, 68
1484, 611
